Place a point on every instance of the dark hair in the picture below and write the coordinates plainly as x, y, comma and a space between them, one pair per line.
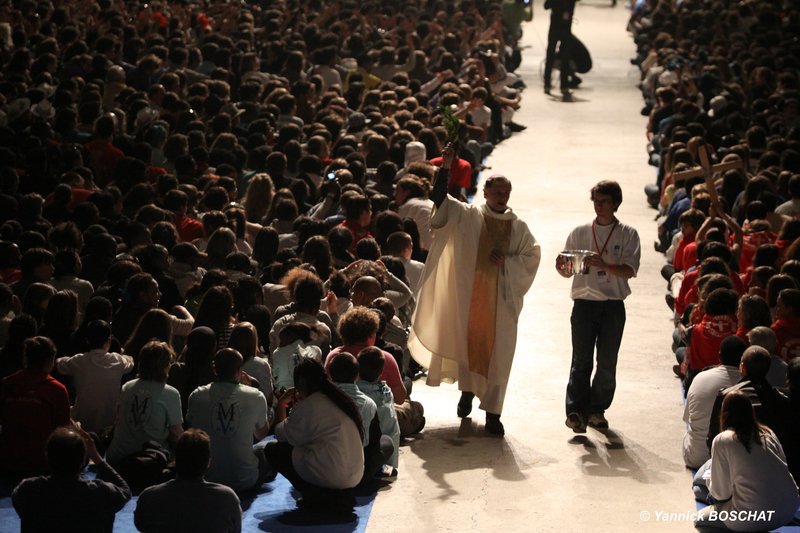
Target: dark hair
343, 368
98, 332
731, 350
756, 362
192, 454
371, 362
755, 311
66, 452
777, 284
739, 416
721, 302
215, 309
227, 363
155, 359
790, 298
608, 188
155, 324
309, 377
358, 324
38, 351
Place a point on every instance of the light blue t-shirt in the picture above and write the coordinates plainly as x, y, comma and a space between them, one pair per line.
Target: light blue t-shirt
381, 394
147, 409
230, 413
366, 405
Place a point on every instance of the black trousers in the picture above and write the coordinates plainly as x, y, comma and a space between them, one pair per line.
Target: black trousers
558, 41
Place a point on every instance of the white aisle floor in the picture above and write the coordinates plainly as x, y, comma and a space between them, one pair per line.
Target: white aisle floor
540, 477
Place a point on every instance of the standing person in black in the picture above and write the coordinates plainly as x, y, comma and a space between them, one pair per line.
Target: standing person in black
560, 33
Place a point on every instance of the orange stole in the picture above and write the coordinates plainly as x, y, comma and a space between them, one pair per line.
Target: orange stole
495, 236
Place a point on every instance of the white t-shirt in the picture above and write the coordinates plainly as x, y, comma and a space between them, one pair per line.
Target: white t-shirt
414, 270
286, 358
147, 409
754, 481
621, 247
481, 117
98, 384
259, 368
328, 451
697, 411
230, 413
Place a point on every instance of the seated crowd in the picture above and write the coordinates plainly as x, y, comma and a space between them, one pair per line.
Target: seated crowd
720, 82
214, 219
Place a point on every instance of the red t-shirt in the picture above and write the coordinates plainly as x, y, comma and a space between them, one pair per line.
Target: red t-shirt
750, 243
104, 158
32, 405
358, 234
679, 260
460, 172
707, 337
788, 333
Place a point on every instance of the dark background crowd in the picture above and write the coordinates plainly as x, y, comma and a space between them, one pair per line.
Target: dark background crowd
721, 78
224, 181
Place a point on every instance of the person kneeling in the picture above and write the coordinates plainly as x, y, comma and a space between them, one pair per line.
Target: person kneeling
319, 444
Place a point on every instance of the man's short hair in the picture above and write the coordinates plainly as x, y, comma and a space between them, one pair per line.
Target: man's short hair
155, 358
371, 362
397, 242
66, 452
192, 454
790, 298
608, 188
358, 324
98, 332
344, 368
38, 352
764, 337
33, 259
495, 178
731, 350
355, 206
756, 361
722, 302
227, 363
693, 217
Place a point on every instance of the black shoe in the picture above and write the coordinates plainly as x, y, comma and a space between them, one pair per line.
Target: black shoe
566, 95
513, 126
493, 425
547, 88
576, 422
465, 404
574, 82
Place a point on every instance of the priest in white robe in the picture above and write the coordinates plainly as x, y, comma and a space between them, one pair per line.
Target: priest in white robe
482, 262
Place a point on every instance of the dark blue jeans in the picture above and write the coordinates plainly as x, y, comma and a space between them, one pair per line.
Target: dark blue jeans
594, 324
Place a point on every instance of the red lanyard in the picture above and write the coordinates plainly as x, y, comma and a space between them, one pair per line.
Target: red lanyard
594, 234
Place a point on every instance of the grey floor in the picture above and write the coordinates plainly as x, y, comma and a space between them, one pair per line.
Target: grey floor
541, 478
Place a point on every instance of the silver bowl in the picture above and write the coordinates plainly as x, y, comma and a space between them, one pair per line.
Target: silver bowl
573, 261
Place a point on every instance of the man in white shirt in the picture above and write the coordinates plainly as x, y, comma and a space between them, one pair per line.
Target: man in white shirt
233, 415
598, 314
700, 400
400, 245
98, 378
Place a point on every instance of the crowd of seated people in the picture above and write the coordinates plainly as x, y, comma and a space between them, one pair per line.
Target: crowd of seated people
198, 200
720, 80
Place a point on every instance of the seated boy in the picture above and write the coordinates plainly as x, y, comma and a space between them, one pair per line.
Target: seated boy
370, 362
98, 378
719, 321
378, 448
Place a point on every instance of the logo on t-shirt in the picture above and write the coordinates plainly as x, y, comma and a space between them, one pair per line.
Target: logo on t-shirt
139, 410
227, 418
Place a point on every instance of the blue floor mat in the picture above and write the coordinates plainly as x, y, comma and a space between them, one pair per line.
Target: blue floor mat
270, 509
